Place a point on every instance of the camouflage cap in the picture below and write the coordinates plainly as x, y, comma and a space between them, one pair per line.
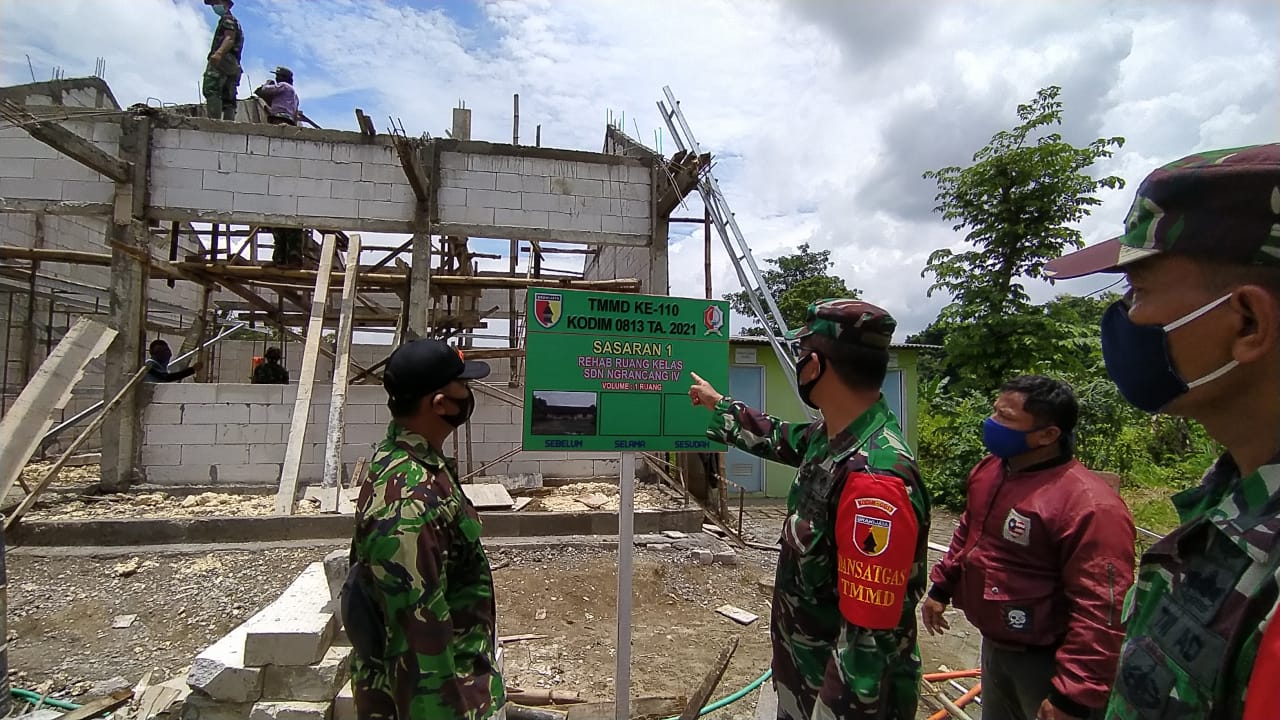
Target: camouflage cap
848, 321
1219, 205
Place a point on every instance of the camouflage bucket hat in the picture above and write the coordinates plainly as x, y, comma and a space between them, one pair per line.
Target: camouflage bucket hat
848, 321
1218, 205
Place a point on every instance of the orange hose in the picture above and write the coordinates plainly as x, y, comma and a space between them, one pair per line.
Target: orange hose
965, 699
953, 675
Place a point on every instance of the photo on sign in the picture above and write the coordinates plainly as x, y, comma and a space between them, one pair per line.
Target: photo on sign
558, 412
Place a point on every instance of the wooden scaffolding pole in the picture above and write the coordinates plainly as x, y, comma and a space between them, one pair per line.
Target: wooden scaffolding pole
341, 368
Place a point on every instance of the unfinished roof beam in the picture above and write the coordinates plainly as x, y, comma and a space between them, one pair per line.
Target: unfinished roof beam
68, 143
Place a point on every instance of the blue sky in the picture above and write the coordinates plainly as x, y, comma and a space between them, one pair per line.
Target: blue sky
823, 114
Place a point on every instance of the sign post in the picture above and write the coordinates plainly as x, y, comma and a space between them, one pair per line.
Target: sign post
610, 372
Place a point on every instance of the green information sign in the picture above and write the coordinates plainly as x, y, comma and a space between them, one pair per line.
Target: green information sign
611, 371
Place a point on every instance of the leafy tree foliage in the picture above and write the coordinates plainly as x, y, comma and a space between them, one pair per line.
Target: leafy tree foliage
795, 280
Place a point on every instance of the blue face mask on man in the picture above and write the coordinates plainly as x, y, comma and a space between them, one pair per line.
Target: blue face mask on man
219, 10
1003, 441
1138, 359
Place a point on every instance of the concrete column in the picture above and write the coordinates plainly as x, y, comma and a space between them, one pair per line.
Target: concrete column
122, 431
420, 286
658, 282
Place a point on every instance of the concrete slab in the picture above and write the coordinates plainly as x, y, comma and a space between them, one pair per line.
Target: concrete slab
291, 711
201, 707
309, 683
488, 496
219, 671
295, 629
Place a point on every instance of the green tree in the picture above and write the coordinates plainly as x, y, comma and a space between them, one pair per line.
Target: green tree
795, 280
1018, 204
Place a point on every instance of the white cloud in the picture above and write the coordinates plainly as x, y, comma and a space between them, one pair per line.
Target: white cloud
822, 115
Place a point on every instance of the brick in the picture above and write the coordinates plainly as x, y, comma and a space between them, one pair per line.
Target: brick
452, 196
260, 454
235, 182
375, 209
180, 178
295, 629
639, 175
154, 414
364, 433
627, 190
372, 172
565, 221
179, 475
493, 411
268, 204
233, 142
330, 170
540, 201
215, 454
357, 190
470, 215
468, 179
251, 474
500, 433
543, 166
299, 186
184, 158
328, 207
635, 209
250, 434
284, 147
31, 189
576, 186
401, 193
153, 455
600, 171
185, 434
267, 165
363, 414
312, 683
268, 710
347, 153
583, 204
91, 191
18, 168
453, 161
369, 154
213, 413
493, 199
245, 393
199, 199
200, 140
270, 413
636, 226
220, 673
520, 218
611, 223
63, 168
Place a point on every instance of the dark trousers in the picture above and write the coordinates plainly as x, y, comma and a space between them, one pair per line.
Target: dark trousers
1016, 681
288, 246
220, 94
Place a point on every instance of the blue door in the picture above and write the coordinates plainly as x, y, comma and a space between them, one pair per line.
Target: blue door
746, 383
892, 390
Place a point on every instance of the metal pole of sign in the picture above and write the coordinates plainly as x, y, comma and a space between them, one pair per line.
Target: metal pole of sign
626, 528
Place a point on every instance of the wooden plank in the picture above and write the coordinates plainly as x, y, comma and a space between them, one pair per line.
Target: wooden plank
30, 416
708, 685
104, 704
640, 707
489, 495
292, 465
341, 369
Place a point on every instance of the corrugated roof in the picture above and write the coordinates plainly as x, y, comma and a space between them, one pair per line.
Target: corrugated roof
757, 340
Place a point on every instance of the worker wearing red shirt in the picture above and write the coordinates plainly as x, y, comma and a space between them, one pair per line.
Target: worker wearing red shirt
1040, 563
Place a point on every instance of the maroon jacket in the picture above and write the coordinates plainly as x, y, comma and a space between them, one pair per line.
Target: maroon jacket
1044, 557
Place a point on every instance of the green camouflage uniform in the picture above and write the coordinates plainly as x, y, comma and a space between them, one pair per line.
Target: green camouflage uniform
420, 537
270, 373
220, 82
823, 666
1204, 594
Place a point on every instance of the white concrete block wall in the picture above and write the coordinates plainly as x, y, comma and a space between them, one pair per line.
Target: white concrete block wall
32, 170
527, 192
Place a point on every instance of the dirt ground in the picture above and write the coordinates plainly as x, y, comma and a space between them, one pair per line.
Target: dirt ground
61, 610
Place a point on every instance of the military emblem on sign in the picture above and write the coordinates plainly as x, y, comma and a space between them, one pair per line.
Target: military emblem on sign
713, 320
871, 534
546, 309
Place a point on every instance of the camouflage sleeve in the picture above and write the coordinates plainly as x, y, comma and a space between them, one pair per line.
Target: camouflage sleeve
408, 566
733, 423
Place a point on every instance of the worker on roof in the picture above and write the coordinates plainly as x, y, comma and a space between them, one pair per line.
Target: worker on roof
418, 601
852, 566
270, 371
222, 73
281, 98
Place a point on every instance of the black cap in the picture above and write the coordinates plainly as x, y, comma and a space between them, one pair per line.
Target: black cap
424, 366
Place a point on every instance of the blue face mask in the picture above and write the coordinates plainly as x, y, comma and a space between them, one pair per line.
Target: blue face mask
1138, 360
1002, 441
219, 10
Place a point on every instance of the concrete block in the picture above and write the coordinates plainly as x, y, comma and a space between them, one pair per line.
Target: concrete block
371, 172
470, 215
268, 710
197, 707
63, 168
611, 223
400, 193
636, 226
180, 474
358, 190
469, 179
251, 474
18, 167
588, 222
375, 209
184, 158
215, 454
268, 165
250, 434
727, 557
368, 154
153, 455
364, 434
154, 414
233, 142
635, 208
197, 140
271, 204
598, 171
218, 201
501, 432
642, 175
540, 201
162, 138
453, 161
330, 170
567, 468
520, 218
488, 411
545, 167
308, 187
576, 186
493, 199
452, 196
220, 673
310, 683
345, 153
263, 454
259, 414
284, 147
601, 468
630, 191
185, 434
234, 182
183, 393
216, 413
369, 394
703, 557
328, 207
245, 393
362, 414
25, 188
294, 629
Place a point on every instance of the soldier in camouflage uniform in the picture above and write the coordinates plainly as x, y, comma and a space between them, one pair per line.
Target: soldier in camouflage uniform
418, 603
271, 372
852, 566
1198, 335
222, 73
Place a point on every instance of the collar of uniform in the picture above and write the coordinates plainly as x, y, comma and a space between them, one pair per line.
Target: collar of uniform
852, 436
415, 445
1243, 508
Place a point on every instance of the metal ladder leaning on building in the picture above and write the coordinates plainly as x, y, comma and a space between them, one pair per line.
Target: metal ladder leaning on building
744, 264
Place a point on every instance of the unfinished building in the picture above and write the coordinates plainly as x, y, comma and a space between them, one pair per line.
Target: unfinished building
158, 221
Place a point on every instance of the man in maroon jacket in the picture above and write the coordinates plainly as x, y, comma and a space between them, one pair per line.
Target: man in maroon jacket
1040, 563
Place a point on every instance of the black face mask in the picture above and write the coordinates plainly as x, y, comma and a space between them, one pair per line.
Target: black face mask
466, 406
806, 388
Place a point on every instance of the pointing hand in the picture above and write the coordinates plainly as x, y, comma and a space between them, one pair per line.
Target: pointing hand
701, 393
